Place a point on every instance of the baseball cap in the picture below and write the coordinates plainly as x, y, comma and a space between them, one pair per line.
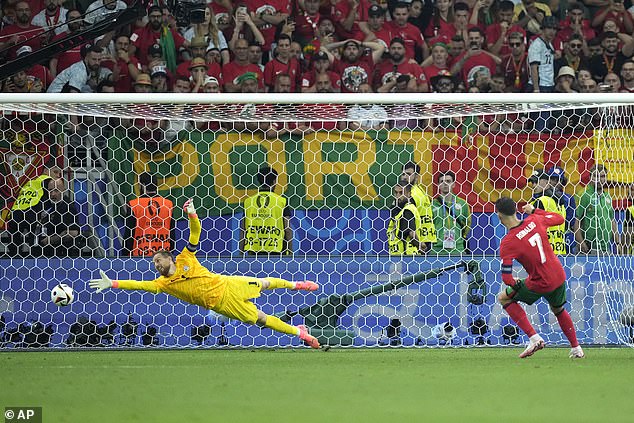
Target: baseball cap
23, 50
154, 49
442, 74
197, 62
537, 175
320, 56
211, 80
376, 11
557, 173
143, 79
158, 70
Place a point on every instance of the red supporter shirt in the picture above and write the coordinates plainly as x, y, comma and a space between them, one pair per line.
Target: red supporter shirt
387, 68
306, 27
213, 69
31, 33
481, 62
270, 7
528, 244
275, 67
145, 37
433, 70
42, 73
67, 57
438, 27
354, 74
410, 34
232, 70
339, 13
515, 73
494, 32
125, 81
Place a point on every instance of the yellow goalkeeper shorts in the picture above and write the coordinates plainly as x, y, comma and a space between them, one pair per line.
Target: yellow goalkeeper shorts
236, 303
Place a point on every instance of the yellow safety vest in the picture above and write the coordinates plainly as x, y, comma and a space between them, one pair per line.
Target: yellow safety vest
423, 205
30, 194
264, 222
396, 245
556, 234
629, 210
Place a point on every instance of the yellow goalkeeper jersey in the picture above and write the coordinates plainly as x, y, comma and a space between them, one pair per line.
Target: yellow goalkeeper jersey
192, 282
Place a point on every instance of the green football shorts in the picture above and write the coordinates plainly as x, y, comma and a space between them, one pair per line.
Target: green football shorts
519, 292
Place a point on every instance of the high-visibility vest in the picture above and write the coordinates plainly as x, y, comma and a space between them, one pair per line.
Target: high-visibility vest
264, 222
396, 245
423, 205
31, 193
153, 225
556, 234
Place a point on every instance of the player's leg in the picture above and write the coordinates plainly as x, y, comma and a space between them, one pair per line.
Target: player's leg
509, 300
277, 325
556, 300
275, 283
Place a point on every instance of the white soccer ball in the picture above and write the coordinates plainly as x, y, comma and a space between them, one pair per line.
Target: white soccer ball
62, 295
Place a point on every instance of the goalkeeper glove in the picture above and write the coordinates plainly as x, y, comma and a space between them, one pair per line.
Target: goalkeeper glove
189, 207
100, 284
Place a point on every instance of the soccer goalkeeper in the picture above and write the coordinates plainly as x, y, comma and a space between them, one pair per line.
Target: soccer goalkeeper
185, 278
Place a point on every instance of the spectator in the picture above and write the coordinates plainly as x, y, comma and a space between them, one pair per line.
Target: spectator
320, 64
126, 68
588, 86
627, 75
594, 47
541, 58
404, 228
497, 33
181, 85
267, 16
612, 82
411, 175
246, 29
171, 41
573, 54
475, 62
211, 35
350, 17
482, 14
452, 217
443, 82
102, 9
198, 47
398, 64
460, 23
198, 73
565, 82
420, 14
595, 228
366, 117
616, 12
323, 84
211, 85
239, 66
415, 46
441, 21
306, 22
21, 33
282, 63
514, 65
143, 83
159, 79
52, 17
83, 76
611, 60
265, 228
74, 24
530, 14
149, 218
456, 48
355, 67
575, 25
437, 61
20, 82
255, 55
376, 29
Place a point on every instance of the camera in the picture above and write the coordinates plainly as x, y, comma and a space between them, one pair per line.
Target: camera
187, 12
474, 45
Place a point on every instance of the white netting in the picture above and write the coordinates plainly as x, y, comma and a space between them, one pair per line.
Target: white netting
339, 158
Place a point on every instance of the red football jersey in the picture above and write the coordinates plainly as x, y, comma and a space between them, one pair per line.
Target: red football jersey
528, 244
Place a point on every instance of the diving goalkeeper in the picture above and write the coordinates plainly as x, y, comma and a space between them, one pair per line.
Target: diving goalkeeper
185, 278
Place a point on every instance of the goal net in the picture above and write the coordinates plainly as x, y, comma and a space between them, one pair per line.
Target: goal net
339, 160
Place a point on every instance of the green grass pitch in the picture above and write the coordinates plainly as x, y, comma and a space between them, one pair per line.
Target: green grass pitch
341, 385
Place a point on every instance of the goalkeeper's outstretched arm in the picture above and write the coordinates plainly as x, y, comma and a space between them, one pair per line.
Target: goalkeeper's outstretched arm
105, 282
194, 225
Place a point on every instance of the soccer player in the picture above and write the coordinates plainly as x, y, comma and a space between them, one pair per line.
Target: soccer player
186, 279
527, 242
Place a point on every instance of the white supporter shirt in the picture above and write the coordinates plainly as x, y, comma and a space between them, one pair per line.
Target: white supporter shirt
96, 12
76, 76
544, 54
40, 20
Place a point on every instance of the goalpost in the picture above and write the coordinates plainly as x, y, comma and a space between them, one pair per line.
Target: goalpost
339, 157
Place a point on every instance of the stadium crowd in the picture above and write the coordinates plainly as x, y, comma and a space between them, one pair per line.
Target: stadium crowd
417, 46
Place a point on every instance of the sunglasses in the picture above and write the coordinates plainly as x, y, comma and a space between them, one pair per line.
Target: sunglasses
515, 44
576, 45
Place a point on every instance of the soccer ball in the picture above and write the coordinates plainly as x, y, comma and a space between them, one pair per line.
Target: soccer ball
62, 295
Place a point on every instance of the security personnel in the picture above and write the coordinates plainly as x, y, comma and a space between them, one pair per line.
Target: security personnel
411, 175
558, 182
150, 223
404, 229
266, 227
543, 198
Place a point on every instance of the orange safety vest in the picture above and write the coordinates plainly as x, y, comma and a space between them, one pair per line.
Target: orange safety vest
153, 225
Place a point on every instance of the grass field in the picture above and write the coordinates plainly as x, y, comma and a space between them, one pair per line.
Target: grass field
395, 385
